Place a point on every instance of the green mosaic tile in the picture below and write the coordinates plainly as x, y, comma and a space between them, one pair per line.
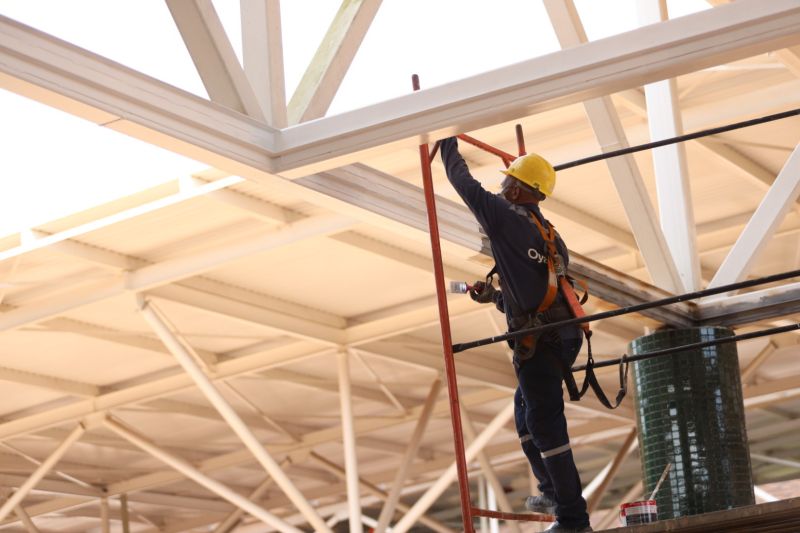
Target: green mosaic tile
689, 412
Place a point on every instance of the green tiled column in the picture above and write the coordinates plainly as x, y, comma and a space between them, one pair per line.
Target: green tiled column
689, 412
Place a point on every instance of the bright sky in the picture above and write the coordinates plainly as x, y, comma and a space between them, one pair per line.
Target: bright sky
54, 164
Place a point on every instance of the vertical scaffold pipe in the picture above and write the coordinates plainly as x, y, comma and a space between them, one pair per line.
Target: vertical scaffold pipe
447, 343
520, 140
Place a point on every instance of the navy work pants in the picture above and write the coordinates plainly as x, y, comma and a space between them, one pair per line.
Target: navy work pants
542, 426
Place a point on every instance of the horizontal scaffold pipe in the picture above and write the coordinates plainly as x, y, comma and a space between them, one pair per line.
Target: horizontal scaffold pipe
678, 139
692, 346
625, 310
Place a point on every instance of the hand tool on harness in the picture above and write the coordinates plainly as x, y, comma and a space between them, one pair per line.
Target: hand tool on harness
560, 281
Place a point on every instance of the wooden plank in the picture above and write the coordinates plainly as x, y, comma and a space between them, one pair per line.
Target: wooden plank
775, 517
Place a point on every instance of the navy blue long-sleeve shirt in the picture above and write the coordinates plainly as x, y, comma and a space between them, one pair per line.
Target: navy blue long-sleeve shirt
517, 245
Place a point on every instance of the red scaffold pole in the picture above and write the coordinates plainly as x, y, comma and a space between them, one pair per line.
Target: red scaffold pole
447, 343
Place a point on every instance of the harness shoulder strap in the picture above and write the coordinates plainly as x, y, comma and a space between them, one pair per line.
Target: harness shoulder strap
552, 272
557, 268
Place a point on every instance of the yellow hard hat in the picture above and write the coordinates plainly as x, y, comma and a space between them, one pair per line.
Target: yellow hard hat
535, 171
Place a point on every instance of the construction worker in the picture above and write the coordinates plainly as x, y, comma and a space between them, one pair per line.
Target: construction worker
521, 256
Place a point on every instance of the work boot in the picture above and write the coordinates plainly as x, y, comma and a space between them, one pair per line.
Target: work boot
540, 504
569, 529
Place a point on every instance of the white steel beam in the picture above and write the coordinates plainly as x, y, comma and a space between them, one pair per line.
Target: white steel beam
666, 50
595, 490
153, 389
213, 55
105, 518
495, 486
168, 271
776, 460
278, 320
106, 93
387, 512
59, 473
624, 171
206, 386
40, 472
426, 500
771, 392
420, 262
349, 443
42, 240
329, 65
618, 235
262, 55
381, 385
751, 306
765, 221
230, 521
26, 520
761, 176
669, 163
790, 57
82, 83
194, 474
378, 493
123, 513
64, 386
749, 372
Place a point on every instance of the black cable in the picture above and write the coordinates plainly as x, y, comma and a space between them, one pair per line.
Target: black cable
679, 138
693, 346
625, 310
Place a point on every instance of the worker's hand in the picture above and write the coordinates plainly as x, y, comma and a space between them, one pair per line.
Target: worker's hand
482, 292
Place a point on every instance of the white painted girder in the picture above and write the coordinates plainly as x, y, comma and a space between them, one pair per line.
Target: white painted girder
213, 56
193, 473
628, 180
634, 101
429, 497
155, 275
86, 85
308, 442
262, 55
780, 198
82, 83
38, 240
330, 63
89, 63
191, 364
23, 490
666, 50
349, 443
764, 394
670, 166
155, 388
61, 385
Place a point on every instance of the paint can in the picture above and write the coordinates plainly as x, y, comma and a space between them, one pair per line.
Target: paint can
641, 512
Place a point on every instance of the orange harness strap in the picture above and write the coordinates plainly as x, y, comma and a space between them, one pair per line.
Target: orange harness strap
557, 277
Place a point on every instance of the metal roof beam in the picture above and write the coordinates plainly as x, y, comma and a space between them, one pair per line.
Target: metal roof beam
159, 274
624, 171
675, 47
87, 85
670, 166
262, 55
60, 385
213, 56
780, 198
329, 65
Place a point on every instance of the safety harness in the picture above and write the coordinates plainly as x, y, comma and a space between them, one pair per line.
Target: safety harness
559, 280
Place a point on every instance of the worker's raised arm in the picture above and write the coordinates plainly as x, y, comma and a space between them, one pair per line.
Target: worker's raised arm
483, 204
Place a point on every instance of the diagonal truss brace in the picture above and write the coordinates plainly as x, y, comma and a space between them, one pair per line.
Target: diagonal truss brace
154, 318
